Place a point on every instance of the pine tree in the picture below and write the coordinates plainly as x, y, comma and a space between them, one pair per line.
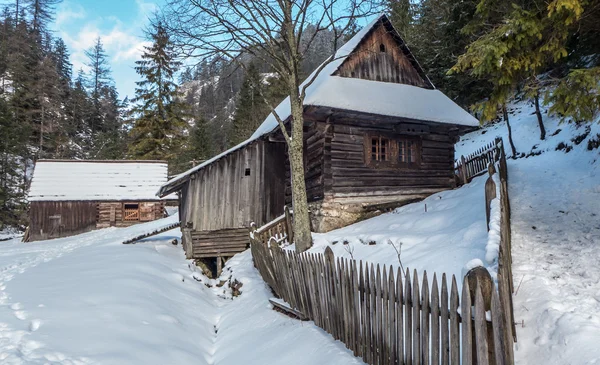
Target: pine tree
41, 12
159, 123
99, 78
251, 109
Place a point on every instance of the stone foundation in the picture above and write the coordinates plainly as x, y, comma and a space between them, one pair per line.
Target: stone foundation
333, 213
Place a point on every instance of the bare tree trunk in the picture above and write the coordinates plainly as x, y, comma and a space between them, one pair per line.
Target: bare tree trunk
510, 140
302, 235
538, 113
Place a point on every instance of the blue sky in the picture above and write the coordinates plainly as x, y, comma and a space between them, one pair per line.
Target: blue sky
120, 24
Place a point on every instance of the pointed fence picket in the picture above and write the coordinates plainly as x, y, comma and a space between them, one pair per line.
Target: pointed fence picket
387, 316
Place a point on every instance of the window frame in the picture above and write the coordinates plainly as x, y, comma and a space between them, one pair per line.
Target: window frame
417, 151
125, 210
393, 151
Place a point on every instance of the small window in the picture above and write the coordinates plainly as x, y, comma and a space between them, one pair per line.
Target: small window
131, 212
247, 172
380, 149
388, 152
382, 48
407, 151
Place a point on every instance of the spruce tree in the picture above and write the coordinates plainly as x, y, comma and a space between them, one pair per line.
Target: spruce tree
251, 109
99, 77
159, 124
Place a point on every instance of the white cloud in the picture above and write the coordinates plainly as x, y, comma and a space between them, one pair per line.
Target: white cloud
122, 37
68, 12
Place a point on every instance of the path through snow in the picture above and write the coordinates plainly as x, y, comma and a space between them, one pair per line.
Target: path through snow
556, 259
89, 299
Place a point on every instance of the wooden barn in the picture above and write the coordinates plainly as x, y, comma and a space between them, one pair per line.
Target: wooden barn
69, 197
377, 135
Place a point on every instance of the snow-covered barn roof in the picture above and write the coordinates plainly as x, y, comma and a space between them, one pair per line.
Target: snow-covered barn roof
74, 180
359, 95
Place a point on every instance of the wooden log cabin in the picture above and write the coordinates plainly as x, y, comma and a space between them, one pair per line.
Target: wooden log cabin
377, 135
69, 197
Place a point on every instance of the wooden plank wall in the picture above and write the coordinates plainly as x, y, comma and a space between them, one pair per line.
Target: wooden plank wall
353, 178
370, 63
104, 213
75, 218
221, 196
220, 243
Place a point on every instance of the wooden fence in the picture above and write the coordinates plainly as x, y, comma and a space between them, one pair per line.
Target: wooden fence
387, 316
477, 162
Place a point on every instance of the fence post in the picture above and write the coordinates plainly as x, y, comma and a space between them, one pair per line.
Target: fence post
479, 278
463, 169
288, 224
490, 193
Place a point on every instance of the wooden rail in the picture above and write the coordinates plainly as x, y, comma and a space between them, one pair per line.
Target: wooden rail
152, 233
280, 230
477, 162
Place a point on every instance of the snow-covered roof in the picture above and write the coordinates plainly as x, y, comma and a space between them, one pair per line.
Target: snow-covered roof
373, 97
73, 180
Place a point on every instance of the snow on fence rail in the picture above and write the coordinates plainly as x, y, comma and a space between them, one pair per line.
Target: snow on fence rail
387, 316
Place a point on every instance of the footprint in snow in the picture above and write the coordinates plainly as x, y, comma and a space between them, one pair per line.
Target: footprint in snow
21, 315
35, 325
16, 306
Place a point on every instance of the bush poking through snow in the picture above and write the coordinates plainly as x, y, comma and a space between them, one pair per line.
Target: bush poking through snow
398, 248
350, 249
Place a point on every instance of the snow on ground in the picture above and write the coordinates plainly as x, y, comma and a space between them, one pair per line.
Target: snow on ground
555, 202
9, 233
443, 239
89, 299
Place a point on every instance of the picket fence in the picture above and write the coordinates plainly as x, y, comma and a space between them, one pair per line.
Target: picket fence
387, 316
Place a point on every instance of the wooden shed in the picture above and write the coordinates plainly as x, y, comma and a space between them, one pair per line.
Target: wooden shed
69, 197
377, 135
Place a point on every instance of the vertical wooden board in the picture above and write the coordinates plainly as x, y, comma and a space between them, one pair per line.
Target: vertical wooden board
416, 321
399, 318
385, 337
467, 329
480, 329
355, 310
378, 312
368, 312
454, 325
348, 310
435, 322
425, 320
499, 326
363, 290
392, 321
408, 321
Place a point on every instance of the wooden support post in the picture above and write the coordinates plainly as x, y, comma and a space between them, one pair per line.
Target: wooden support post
219, 265
186, 242
479, 278
289, 225
463, 169
490, 193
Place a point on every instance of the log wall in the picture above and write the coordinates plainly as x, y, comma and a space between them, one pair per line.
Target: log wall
48, 219
110, 214
351, 177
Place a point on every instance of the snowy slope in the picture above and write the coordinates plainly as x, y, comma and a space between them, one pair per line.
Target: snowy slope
443, 239
90, 299
555, 202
